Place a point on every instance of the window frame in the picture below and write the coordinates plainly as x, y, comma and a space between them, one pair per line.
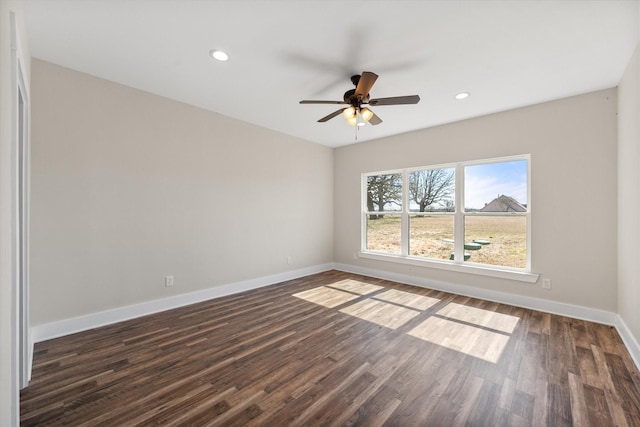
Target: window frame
406, 203
457, 264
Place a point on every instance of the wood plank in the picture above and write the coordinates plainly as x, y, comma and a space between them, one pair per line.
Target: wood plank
597, 406
356, 286
612, 397
579, 411
376, 410
381, 313
407, 299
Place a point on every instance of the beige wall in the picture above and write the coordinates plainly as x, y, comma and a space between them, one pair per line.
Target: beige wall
9, 397
129, 187
572, 143
629, 195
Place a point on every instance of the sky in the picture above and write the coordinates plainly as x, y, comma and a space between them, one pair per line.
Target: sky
483, 183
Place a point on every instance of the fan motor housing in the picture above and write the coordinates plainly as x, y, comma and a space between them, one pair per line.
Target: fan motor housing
349, 95
351, 98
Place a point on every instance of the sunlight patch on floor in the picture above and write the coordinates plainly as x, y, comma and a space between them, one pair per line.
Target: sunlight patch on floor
476, 342
356, 287
407, 299
474, 331
326, 297
480, 317
381, 313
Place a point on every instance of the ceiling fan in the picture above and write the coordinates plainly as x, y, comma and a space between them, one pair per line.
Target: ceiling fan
357, 98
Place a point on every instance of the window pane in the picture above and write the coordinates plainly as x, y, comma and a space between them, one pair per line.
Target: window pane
499, 240
432, 190
431, 236
383, 233
384, 193
496, 187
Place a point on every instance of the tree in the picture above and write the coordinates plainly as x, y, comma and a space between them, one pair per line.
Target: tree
383, 190
428, 188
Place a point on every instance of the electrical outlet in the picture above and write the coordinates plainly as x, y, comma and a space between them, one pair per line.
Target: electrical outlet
546, 283
289, 259
168, 281
355, 255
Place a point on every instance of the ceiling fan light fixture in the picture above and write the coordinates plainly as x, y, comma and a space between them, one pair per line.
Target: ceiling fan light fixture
349, 112
218, 55
352, 121
366, 114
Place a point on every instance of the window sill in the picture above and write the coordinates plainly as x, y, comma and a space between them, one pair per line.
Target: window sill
481, 270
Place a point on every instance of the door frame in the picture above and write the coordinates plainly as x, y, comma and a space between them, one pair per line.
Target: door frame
21, 160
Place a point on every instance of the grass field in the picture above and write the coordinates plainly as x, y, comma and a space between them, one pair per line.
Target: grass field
431, 236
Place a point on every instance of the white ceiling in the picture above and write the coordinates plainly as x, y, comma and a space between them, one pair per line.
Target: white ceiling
507, 54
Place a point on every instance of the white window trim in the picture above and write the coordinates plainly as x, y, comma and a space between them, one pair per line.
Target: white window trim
468, 267
457, 265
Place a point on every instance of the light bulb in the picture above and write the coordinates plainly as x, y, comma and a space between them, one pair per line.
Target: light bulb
366, 114
349, 112
352, 121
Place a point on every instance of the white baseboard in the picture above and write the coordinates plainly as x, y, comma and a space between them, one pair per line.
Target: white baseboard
82, 323
30, 356
629, 340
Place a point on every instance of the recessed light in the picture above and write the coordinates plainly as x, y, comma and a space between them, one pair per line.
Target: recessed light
462, 95
218, 54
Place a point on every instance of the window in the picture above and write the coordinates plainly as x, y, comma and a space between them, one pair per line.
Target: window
431, 199
471, 214
384, 194
495, 212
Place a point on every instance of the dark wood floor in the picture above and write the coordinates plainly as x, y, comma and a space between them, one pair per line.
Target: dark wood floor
322, 357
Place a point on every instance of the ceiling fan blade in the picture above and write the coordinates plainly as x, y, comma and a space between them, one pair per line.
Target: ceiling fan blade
308, 101
396, 100
374, 120
331, 116
365, 84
